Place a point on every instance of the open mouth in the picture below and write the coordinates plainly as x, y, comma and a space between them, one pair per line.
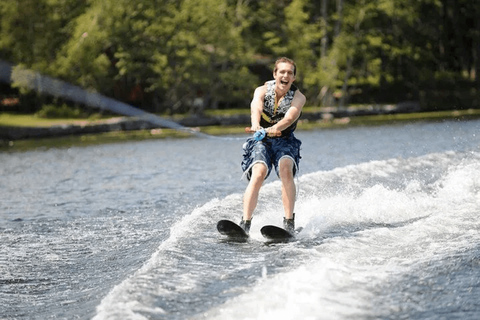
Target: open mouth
284, 82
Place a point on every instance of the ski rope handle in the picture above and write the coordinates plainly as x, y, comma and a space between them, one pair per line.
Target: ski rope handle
262, 133
259, 134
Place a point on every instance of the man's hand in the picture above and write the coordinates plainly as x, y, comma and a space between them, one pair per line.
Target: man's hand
255, 128
271, 132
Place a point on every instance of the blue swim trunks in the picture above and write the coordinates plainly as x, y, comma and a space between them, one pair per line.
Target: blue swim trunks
269, 151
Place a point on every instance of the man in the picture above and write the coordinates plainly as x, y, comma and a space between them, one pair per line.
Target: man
276, 106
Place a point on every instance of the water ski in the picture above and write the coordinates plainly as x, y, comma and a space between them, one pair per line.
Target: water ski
278, 234
231, 230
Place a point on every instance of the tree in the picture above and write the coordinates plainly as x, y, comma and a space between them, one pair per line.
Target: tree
32, 30
186, 55
177, 51
31, 33
205, 56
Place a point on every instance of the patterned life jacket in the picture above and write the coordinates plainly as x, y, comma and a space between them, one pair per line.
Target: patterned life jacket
273, 113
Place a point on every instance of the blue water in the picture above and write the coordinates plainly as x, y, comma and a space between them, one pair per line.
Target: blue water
127, 231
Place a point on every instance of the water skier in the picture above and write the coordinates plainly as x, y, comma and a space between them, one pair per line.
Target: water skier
275, 107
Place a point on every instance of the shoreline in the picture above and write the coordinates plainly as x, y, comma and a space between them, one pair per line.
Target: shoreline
122, 129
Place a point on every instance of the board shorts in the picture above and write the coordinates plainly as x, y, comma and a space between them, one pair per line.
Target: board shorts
270, 151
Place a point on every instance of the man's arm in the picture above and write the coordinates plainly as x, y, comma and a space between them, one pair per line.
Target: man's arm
292, 114
256, 107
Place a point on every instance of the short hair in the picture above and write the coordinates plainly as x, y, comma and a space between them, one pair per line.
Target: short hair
287, 60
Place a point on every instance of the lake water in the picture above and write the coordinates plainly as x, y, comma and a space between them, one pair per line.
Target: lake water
128, 231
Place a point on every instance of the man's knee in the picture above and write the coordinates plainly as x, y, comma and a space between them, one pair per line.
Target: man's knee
259, 171
285, 169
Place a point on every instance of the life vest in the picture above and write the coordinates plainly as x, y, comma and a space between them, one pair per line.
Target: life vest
273, 113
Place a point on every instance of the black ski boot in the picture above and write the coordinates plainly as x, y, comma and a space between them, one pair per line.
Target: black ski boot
245, 224
289, 224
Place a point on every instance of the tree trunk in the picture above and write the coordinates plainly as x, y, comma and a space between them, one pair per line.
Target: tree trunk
349, 69
338, 25
476, 56
323, 50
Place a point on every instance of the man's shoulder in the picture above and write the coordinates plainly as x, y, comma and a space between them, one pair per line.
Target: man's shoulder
262, 89
300, 94
300, 98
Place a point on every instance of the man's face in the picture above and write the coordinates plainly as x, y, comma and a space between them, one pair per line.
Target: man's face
284, 76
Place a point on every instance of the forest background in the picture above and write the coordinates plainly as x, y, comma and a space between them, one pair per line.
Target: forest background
174, 56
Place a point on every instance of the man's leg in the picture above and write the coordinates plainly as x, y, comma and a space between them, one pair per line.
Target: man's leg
288, 186
250, 198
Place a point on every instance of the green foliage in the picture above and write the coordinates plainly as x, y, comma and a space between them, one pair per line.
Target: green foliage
51, 111
190, 55
31, 31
